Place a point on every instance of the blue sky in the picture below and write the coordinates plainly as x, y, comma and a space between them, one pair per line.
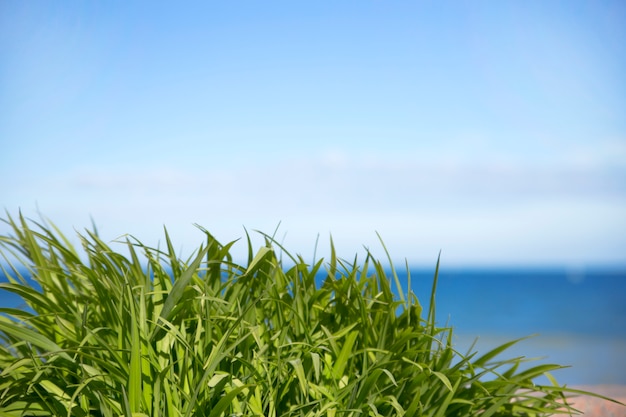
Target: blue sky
492, 131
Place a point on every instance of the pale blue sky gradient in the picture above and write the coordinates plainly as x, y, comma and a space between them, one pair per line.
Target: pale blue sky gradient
493, 131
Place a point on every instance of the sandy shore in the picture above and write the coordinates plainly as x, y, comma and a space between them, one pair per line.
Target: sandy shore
596, 407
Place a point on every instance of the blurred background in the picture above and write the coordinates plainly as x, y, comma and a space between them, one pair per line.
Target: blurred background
494, 132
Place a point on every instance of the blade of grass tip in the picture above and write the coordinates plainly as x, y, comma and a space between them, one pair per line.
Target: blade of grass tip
282, 250
67, 246
270, 240
171, 253
94, 227
536, 371
261, 254
482, 361
332, 267
250, 248
393, 270
317, 240
431, 308
135, 265
430, 321
593, 394
18, 229
273, 238
33, 249
409, 290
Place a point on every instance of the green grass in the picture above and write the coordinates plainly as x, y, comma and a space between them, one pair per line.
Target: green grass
141, 332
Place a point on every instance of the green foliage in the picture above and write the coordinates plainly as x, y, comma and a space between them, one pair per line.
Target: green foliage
149, 334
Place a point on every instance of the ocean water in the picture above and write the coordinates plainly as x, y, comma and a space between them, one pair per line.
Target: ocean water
578, 319
552, 302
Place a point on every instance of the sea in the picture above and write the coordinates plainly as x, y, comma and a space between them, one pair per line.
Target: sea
571, 318
576, 318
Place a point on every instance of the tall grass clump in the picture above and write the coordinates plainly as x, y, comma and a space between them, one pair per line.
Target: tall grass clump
146, 333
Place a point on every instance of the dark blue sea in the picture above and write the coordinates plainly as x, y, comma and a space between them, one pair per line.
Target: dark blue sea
590, 304
579, 318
